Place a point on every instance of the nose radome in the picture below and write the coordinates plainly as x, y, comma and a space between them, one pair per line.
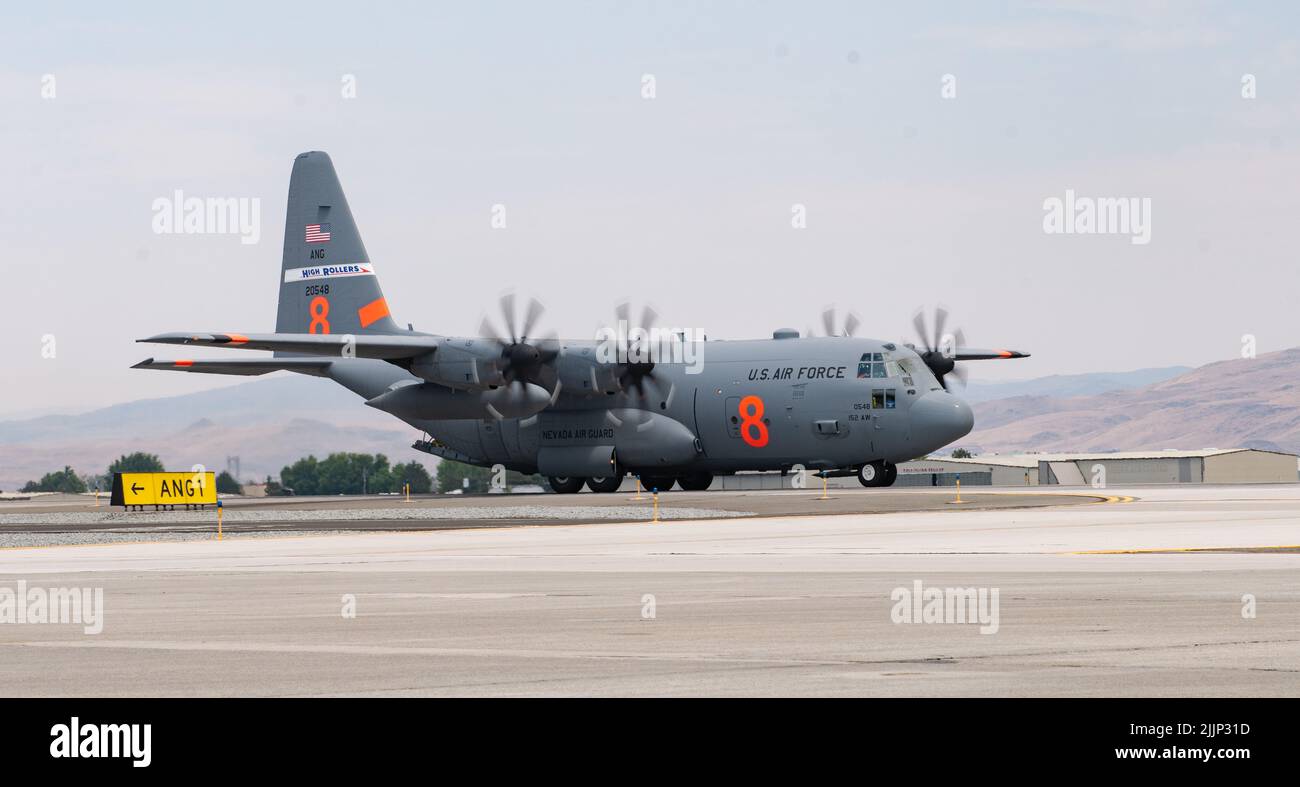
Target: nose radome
939, 418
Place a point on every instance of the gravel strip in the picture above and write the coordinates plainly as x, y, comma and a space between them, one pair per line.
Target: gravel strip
144, 519
117, 536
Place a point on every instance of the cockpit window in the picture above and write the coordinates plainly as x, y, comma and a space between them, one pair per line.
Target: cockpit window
874, 366
905, 365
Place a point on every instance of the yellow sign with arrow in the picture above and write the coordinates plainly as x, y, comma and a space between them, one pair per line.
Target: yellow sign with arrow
164, 489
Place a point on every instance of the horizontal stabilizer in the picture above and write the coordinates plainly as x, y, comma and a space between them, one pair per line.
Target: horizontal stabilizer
241, 366
386, 347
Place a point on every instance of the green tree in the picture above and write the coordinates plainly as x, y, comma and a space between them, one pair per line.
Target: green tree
354, 474
451, 476
302, 477
412, 473
65, 480
227, 485
339, 474
961, 453
138, 462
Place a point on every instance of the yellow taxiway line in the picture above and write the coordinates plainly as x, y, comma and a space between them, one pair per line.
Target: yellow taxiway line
1167, 550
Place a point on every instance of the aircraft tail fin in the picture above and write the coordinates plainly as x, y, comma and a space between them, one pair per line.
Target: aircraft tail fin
327, 281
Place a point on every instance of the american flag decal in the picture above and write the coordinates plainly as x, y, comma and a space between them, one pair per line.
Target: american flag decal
318, 233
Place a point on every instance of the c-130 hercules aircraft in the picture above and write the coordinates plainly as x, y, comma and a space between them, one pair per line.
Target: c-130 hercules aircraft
577, 412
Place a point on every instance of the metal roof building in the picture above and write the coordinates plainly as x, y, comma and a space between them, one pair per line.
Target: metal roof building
1208, 466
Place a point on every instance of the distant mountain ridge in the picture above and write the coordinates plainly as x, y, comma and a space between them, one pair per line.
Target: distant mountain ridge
1242, 403
1070, 384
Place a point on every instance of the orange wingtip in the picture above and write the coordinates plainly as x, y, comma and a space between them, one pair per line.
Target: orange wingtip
373, 312
182, 363
1005, 353
237, 338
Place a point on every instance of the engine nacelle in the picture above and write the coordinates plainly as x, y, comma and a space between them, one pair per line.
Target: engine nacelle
429, 401
467, 364
578, 372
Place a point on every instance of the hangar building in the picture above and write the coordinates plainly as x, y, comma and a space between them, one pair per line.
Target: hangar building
1208, 466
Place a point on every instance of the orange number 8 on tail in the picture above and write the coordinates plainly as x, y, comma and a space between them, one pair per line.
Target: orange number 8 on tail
319, 310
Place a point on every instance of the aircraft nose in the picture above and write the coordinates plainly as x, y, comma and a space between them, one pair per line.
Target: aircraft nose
939, 418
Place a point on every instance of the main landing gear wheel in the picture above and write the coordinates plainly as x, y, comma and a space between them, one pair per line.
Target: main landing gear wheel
878, 474
565, 485
609, 483
695, 482
661, 483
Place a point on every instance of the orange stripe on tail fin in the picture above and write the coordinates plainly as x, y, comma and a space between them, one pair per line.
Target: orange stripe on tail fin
373, 312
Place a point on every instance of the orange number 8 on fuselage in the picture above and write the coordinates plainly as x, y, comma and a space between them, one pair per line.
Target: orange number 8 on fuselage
751, 420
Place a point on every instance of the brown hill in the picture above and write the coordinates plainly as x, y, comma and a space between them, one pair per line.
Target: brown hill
267, 423
1249, 402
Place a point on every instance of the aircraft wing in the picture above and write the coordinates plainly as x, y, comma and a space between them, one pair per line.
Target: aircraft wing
382, 346
972, 354
241, 366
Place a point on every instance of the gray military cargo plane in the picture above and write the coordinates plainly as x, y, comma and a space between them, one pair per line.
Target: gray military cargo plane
589, 412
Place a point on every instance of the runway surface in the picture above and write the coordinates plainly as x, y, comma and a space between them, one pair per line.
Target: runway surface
1095, 597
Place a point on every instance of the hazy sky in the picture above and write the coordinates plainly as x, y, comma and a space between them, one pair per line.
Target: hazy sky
683, 200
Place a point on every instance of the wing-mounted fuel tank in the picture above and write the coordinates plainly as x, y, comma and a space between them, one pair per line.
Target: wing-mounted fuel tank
586, 443
429, 401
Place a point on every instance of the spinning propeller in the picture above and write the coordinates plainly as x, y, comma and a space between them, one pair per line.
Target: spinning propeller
832, 327
942, 350
636, 369
523, 358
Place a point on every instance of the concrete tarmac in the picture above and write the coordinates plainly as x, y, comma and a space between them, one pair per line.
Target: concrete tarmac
1177, 591
291, 513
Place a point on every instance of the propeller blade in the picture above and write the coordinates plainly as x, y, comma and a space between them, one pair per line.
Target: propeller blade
940, 319
851, 324
672, 389
489, 331
508, 311
622, 311
649, 387
961, 374
534, 313
549, 348
918, 322
648, 317
828, 321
